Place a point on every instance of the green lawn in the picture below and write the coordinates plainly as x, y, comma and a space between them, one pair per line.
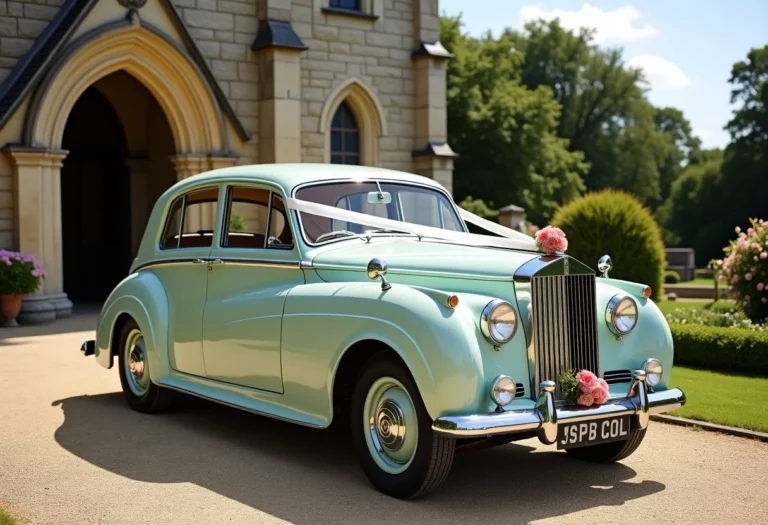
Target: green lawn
700, 281
724, 398
669, 306
5, 519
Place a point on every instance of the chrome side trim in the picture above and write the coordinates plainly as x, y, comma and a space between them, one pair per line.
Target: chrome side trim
224, 260
246, 409
544, 419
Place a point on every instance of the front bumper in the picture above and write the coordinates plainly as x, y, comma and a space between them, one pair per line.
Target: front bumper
544, 418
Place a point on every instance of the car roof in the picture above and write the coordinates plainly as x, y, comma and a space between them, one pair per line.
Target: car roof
288, 176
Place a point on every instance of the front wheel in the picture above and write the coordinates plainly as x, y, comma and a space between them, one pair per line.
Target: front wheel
140, 392
392, 432
610, 452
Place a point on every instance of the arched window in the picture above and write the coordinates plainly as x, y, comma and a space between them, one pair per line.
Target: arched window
345, 137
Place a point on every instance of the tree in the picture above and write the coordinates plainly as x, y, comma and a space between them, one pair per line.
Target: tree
677, 146
504, 133
479, 208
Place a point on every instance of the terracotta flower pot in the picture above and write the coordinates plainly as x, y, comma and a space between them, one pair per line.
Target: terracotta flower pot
10, 306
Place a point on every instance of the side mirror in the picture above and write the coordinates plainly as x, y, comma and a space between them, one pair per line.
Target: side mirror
378, 268
604, 265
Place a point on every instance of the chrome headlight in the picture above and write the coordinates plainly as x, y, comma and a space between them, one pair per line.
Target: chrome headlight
503, 390
653, 372
498, 322
621, 314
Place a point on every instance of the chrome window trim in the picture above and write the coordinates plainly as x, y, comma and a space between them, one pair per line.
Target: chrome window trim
158, 242
298, 187
264, 263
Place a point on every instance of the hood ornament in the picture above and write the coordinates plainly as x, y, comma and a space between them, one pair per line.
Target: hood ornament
604, 265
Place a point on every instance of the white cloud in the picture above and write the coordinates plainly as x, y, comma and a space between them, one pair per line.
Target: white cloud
617, 25
660, 73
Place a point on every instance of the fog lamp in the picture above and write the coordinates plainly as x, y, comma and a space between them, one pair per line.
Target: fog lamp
653, 372
503, 390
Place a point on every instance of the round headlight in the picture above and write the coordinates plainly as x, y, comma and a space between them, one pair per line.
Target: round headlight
653, 372
503, 390
621, 314
498, 322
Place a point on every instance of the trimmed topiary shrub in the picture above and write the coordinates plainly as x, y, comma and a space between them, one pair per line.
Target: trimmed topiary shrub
718, 348
671, 277
615, 223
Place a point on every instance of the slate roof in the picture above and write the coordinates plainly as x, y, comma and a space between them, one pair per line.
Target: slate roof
277, 34
30, 69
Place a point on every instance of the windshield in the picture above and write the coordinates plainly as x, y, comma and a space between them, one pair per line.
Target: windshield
406, 203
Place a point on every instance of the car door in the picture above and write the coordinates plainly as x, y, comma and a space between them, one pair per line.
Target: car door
253, 268
181, 265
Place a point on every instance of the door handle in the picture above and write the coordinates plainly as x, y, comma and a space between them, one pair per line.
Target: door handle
199, 261
215, 261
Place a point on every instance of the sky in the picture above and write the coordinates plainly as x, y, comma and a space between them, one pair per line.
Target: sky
685, 47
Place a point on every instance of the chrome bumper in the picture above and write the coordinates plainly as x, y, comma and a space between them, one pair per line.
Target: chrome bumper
544, 418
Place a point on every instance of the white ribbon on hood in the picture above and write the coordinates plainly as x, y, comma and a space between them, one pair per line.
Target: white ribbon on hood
509, 238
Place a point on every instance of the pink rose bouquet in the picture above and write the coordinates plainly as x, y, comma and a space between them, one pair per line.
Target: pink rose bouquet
745, 268
583, 388
551, 240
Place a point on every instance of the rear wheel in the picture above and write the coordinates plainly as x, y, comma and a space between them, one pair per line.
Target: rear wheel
139, 390
392, 432
610, 452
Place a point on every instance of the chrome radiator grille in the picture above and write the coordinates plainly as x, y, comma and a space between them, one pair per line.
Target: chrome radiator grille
564, 325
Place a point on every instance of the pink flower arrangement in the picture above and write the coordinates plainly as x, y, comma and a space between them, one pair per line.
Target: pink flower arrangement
19, 273
584, 388
745, 267
551, 240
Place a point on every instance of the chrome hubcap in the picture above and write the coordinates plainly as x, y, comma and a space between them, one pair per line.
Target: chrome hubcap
137, 374
391, 425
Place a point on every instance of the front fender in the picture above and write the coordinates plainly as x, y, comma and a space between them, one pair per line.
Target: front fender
442, 347
141, 296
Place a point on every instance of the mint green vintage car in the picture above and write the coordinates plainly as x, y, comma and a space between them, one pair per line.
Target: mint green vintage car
302, 292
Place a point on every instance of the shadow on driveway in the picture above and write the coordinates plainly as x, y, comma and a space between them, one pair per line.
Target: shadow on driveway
308, 476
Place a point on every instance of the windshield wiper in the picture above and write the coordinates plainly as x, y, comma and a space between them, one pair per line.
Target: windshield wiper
338, 233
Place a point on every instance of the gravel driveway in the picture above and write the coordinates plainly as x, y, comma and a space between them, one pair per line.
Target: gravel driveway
71, 452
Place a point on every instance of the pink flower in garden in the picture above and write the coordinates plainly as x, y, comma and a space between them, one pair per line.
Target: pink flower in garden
760, 287
737, 229
586, 400
37, 272
756, 246
748, 276
764, 300
746, 298
551, 240
751, 231
8, 262
764, 255
735, 278
721, 277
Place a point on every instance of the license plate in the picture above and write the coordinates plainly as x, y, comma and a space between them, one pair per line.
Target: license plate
584, 433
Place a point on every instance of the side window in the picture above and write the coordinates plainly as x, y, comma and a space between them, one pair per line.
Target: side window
247, 220
190, 221
280, 235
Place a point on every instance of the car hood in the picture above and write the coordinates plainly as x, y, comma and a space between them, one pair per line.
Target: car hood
411, 256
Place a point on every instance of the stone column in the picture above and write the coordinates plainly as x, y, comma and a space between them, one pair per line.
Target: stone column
433, 157
279, 92
37, 180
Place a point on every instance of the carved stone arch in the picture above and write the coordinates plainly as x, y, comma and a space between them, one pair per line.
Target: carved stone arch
368, 112
161, 66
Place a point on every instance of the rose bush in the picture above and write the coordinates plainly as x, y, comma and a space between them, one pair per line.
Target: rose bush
745, 269
19, 273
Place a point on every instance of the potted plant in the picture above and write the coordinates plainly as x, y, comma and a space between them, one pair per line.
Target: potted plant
19, 274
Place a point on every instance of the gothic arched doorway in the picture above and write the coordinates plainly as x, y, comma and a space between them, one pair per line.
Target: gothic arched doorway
120, 145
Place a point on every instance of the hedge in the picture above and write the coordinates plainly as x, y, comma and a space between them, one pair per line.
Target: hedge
671, 277
718, 348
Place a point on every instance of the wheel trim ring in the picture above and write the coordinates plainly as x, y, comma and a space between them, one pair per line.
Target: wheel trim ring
390, 425
136, 368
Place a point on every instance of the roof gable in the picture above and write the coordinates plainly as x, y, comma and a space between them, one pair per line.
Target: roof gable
73, 19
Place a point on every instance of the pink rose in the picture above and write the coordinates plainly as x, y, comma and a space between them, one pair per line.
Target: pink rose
756, 246
751, 231
748, 276
551, 239
586, 400
735, 278
737, 229
760, 287
764, 255
721, 277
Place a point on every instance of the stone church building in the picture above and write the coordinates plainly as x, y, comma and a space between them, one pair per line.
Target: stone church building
104, 104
